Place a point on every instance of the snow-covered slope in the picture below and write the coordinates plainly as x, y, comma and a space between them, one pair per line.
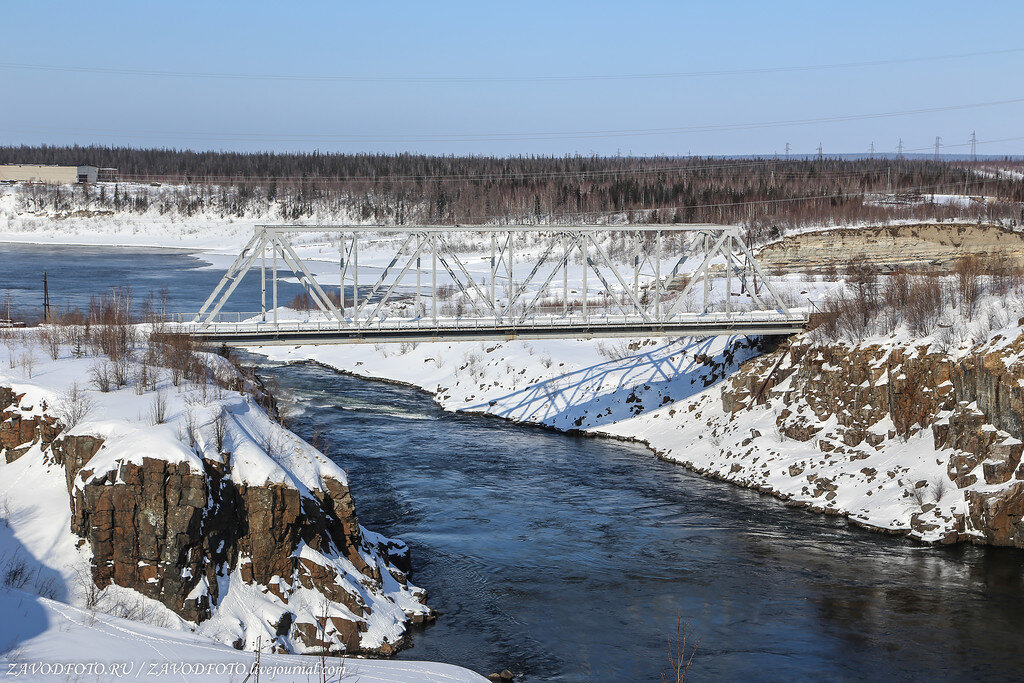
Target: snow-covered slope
167, 496
801, 445
49, 640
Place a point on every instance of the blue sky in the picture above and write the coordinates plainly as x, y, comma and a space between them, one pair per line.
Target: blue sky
493, 40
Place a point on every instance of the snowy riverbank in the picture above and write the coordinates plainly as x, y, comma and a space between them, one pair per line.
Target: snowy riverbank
677, 397
147, 499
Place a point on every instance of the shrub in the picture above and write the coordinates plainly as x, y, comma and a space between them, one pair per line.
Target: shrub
73, 406
101, 376
158, 411
924, 304
969, 284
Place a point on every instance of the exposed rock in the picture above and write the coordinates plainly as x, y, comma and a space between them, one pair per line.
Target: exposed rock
145, 526
873, 393
73, 453
169, 529
998, 516
921, 244
21, 427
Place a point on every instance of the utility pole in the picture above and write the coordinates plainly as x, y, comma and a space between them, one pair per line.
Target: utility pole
787, 151
938, 144
974, 146
46, 299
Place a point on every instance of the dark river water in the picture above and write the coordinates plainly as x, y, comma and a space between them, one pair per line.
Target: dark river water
567, 558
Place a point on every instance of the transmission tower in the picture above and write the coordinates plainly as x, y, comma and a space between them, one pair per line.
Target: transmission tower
787, 151
899, 149
974, 146
938, 144
872, 149
46, 299
820, 157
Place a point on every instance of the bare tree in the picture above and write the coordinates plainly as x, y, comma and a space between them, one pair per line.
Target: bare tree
681, 651
969, 284
73, 405
925, 304
158, 411
220, 428
101, 376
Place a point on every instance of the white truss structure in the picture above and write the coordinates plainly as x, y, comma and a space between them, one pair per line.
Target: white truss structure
568, 265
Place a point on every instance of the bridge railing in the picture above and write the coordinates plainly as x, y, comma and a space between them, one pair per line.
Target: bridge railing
252, 322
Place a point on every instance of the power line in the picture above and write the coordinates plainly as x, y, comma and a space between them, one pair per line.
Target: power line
199, 177
506, 176
924, 189
500, 137
117, 71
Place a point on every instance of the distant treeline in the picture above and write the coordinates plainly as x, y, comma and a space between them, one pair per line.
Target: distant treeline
768, 195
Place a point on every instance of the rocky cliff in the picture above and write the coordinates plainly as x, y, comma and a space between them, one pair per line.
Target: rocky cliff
907, 246
852, 404
259, 539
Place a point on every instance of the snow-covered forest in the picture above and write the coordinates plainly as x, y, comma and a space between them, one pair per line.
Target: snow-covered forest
770, 196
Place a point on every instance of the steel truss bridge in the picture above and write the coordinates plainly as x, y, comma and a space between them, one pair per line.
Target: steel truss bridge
514, 281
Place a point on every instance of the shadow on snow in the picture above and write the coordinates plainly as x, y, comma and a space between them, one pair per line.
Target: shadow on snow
619, 389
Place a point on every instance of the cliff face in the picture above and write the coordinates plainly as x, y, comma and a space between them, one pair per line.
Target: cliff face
851, 403
20, 428
910, 246
191, 530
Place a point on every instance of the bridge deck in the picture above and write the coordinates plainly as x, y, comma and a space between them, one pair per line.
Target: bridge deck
417, 330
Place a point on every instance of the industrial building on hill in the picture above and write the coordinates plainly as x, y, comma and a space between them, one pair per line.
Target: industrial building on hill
34, 173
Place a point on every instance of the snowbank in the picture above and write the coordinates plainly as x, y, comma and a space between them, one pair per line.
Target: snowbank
180, 504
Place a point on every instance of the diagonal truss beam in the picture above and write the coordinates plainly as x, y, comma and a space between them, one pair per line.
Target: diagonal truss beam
383, 277
545, 252
469, 280
236, 271
405, 269
563, 265
608, 262
767, 283
699, 274
306, 278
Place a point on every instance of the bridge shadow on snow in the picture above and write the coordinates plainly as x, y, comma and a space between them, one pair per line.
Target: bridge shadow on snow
619, 389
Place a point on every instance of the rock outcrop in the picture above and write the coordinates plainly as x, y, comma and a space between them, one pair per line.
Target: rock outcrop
21, 427
179, 530
907, 246
852, 401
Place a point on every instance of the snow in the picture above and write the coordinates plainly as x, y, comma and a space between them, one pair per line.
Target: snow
49, 618
665, 393
999, 173
123, 419
938, 199
47, 640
